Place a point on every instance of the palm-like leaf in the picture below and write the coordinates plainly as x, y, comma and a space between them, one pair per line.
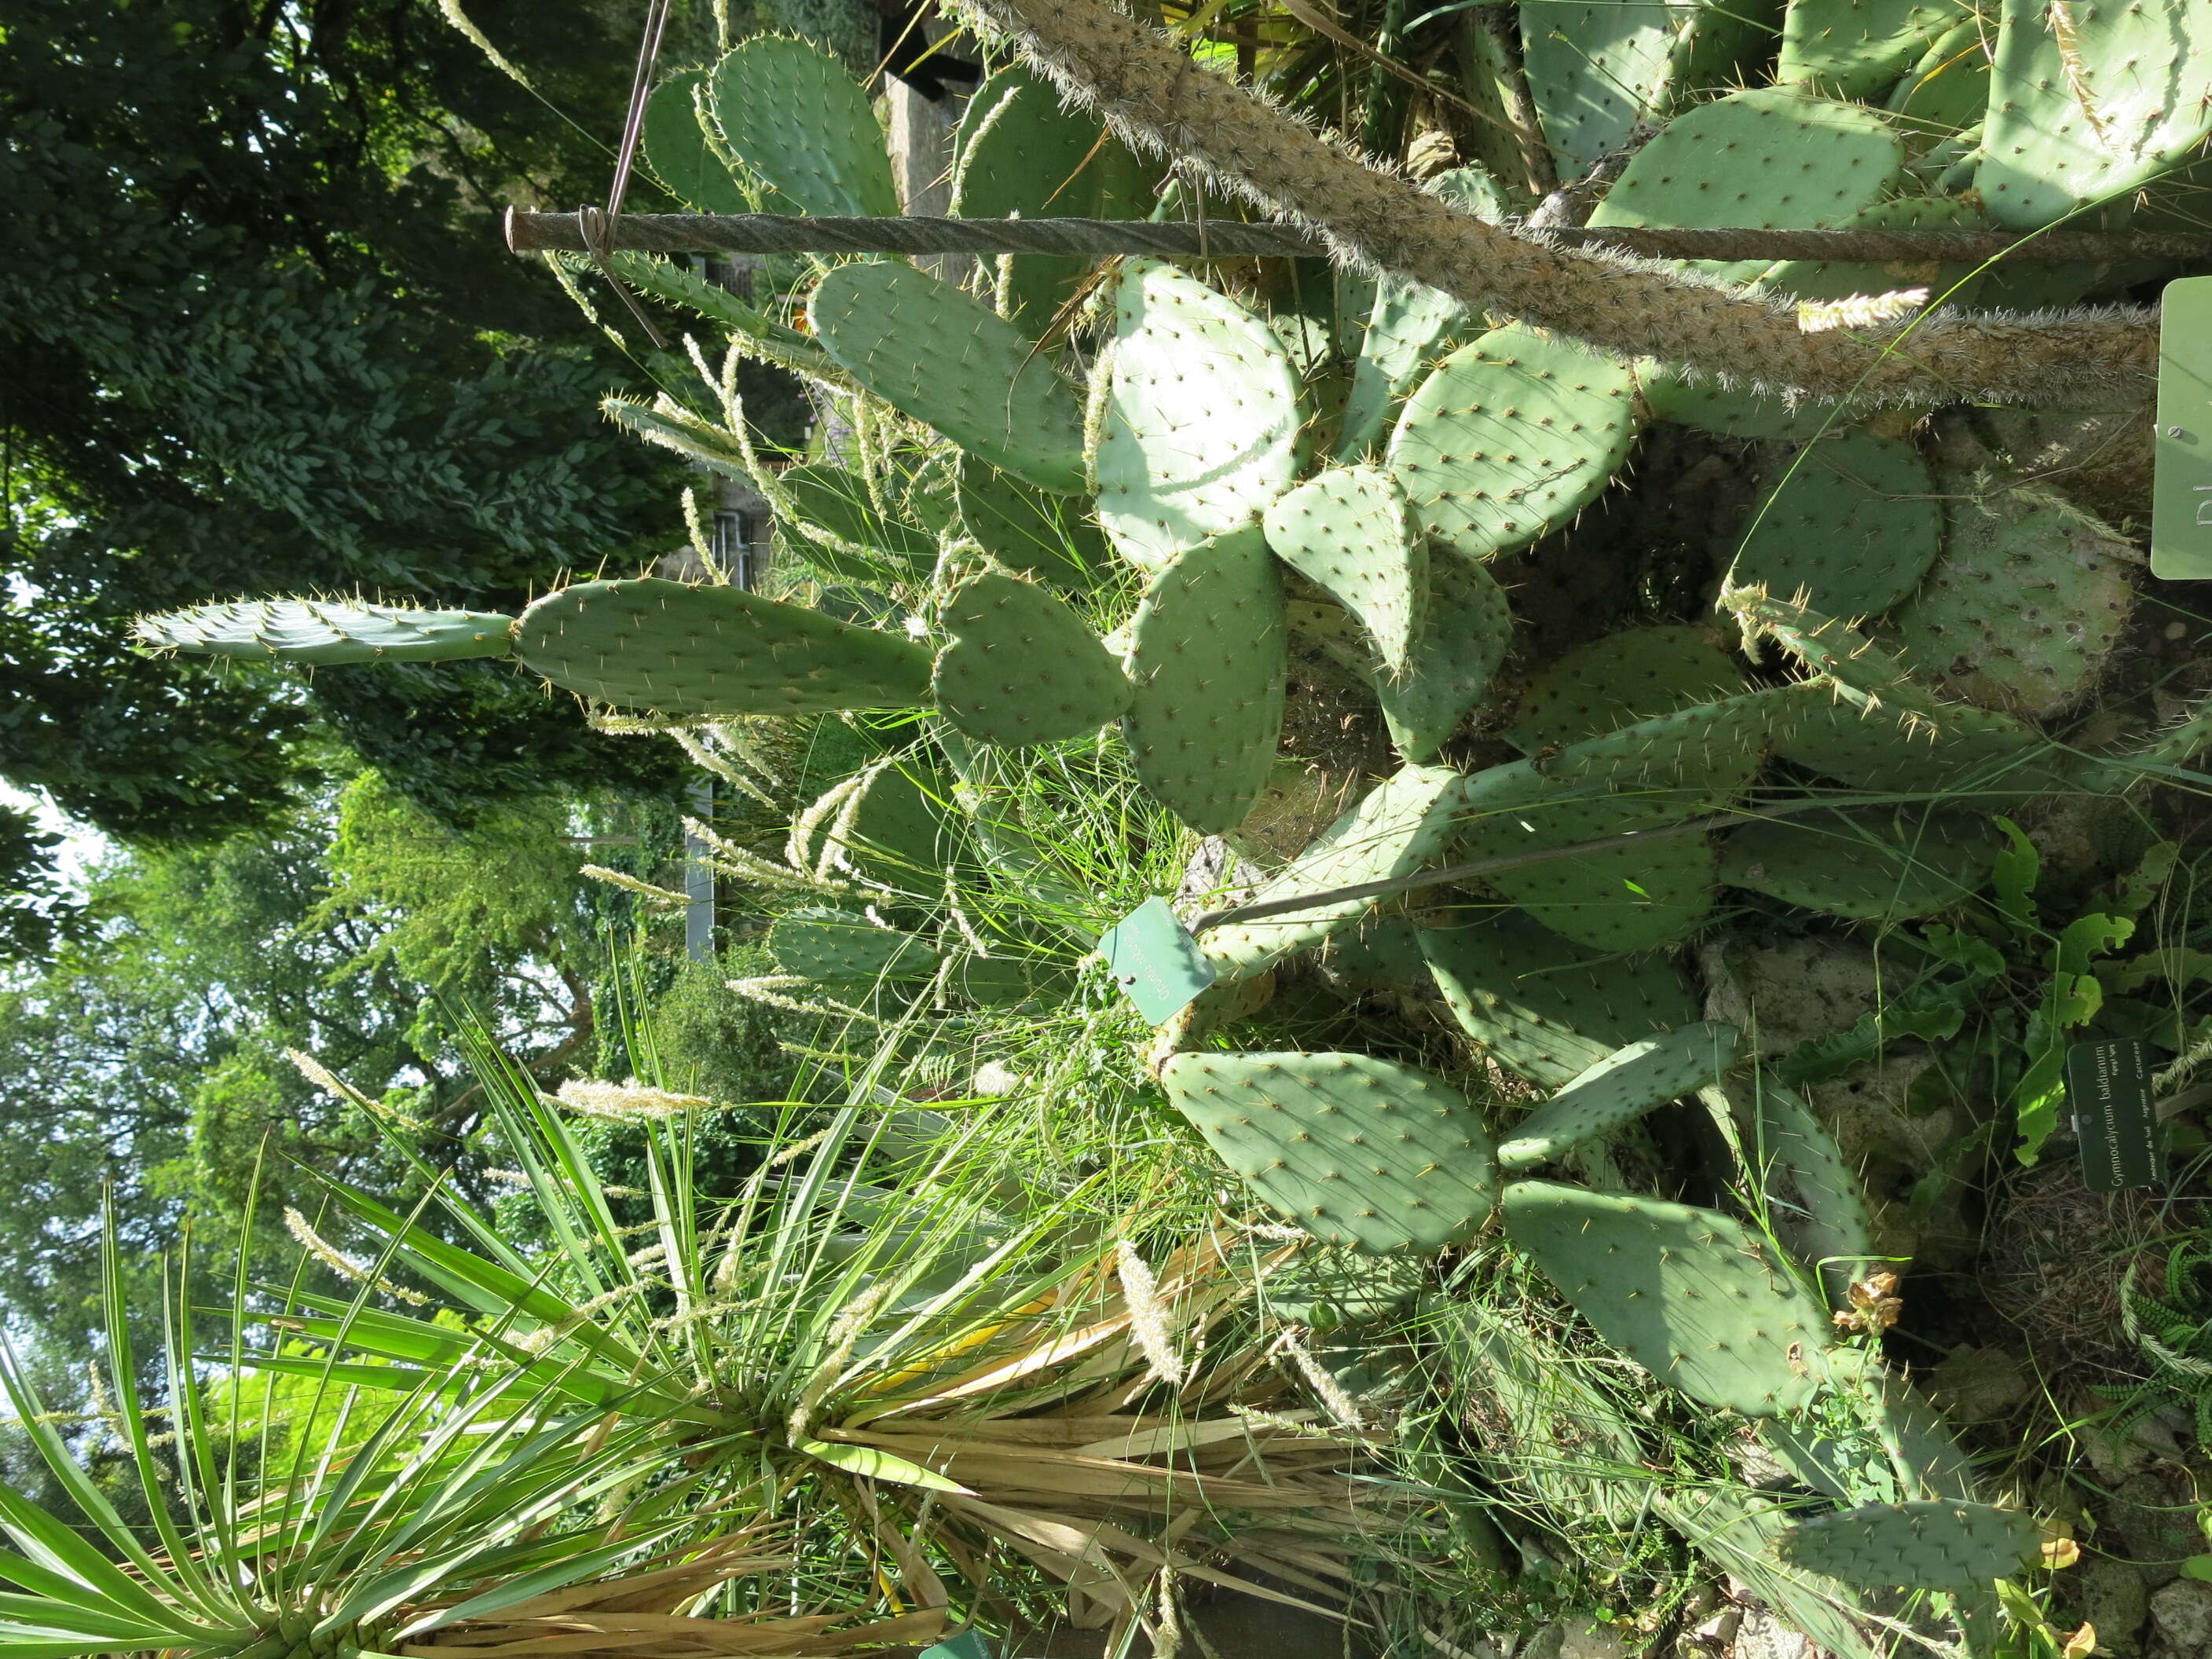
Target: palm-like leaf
462, 1512
914, 1382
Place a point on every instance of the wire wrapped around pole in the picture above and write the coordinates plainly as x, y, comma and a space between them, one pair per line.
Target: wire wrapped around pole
1099, 239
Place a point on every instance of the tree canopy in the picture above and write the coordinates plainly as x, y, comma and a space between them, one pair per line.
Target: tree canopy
258, 331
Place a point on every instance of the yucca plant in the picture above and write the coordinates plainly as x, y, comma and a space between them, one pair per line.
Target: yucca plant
436, 1512
928, 1394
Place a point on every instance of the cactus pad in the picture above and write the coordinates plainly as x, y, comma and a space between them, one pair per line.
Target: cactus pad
1692, 1296
1207, 653
326, 631
1203, 418
1865, 865
2023, 608
1400, 825
835, 501
1854, 522
2086, 118
1956, 747
1640, 777
676, 148
1022, 667
1360, 1152
1410, 324
1619, 1089
890, 831
839, 950
686, 650
799, 122
1350, 533
1822, 1214
1548, 1009
1670, 396
1509, 438
1596, 71
1927, 1544
1763, 160
1623, 678
1470, 630
1020, 154
1029, 530
1857, 48
934, 353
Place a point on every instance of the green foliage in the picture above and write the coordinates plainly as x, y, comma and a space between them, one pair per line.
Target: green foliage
295, 362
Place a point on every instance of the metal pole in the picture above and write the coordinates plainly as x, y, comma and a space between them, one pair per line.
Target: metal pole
772, 233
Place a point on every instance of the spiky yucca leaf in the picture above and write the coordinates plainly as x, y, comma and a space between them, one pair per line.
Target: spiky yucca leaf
896, 1371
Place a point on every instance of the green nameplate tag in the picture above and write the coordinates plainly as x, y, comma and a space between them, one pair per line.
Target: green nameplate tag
2108, 1089
1155, 961
2181, 487
966, 1645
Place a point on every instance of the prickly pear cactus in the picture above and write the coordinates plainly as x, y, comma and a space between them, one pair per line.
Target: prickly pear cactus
1350, 533
1543, 1007
1764, 158
1623, 678
1022, 667
2088, 101
2022, 611
1207, 659
1201, 419
1360, 1152
1397, 827
932, 352
1926, 1544
320, 631
1509, 438
1030, 530
1855, 523
683, 650
676, 150
1618, 1089
798, 123
1856, 48
1693, 1296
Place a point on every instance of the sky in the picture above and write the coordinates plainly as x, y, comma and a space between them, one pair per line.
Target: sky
81, 845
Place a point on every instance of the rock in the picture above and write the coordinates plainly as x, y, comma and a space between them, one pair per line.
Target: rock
1713, 1633
1591, 1642
1980, 1385
2114, 1600
1762, 1636
1757, 1465
2113, 1457
2182, 1614
2154, 1512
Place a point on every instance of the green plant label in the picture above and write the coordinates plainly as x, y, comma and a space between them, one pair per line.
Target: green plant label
1155, 961
2181, 491
2108, 1088
966, 1645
